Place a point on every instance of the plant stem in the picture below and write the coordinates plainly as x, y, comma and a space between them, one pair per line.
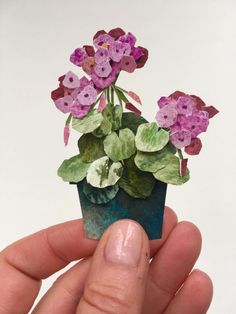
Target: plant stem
120, 101
112, 95
180, 154
123, 90
108, 94
68, 119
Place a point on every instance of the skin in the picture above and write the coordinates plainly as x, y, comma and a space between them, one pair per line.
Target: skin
163, 281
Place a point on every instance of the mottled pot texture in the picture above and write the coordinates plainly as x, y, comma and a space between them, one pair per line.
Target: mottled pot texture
147, 212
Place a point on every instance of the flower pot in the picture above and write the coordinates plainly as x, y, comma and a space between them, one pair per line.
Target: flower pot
147, 212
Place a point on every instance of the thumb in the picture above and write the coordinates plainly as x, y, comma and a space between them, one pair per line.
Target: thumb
117, 279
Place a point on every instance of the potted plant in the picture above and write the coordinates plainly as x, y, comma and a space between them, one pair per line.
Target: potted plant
124, 162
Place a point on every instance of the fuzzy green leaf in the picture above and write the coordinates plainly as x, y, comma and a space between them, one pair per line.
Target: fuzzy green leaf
135, 182
89, 123
132, 121
73, 169
103, 172
169, 171
120, 147
151, 138
90, 147
100, 196
104, 129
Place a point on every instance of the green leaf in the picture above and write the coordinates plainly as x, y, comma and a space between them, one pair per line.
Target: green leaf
90, 147
103, 173
132, 121
135, 182
89, 123
152, 162
120, 147
151, 138
103, 129
117, 115
73, 169
100, 196
169, 171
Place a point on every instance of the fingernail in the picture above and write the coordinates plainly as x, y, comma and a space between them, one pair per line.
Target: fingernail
124, 243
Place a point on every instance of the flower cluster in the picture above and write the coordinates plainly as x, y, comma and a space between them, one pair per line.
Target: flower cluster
112, 52
74, 95
186, 117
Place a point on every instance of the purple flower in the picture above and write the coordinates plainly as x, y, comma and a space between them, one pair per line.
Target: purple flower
129, 39
181, 139
137, 53
78, 56
117, 50
128, 64
103, 70
185, 105
87, 96
88, 65
103, 41
64, 104
163, 101
101, 56
102, 83
79, 111
166, 116
196, 124
71, 80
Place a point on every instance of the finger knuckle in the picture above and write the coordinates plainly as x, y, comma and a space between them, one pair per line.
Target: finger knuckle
110, 299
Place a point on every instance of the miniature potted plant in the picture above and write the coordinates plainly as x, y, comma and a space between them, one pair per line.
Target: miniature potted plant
124, 162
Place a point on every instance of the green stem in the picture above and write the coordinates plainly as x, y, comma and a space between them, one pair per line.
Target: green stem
117, 95
108, 94
121, 89
112, 95
98, 98
181, 157
68, 119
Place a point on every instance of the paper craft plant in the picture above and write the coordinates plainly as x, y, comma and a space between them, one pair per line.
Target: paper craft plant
124, 162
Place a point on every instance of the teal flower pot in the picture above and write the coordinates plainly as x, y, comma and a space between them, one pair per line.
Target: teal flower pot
147, 212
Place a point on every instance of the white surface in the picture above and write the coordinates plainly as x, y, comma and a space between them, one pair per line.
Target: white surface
192, 48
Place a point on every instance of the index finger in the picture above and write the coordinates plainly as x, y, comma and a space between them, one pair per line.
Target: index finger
24, 263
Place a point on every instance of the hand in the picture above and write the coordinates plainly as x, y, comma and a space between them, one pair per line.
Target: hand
119, 278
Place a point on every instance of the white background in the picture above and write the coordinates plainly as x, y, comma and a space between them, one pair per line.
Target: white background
192, 47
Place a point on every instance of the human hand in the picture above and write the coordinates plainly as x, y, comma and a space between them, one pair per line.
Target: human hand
119, 278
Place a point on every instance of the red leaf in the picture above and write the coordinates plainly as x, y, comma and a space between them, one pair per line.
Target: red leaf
131, 107
194, 147
183, 167
66, 134
177, 94
102, 103
212, 111
199, 101
135, 97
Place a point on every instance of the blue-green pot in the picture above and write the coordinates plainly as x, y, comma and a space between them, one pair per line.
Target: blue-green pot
147, 212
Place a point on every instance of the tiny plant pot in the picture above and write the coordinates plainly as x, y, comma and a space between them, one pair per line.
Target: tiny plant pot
147, 212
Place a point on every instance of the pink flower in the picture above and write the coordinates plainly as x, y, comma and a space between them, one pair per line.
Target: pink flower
128, 64
88, 65
103, 70
87, 96
181, 139
78, 56
163, 101
128, 39
71, 80
166, 116
117, 50
185, 105
101, 56
64, 104
79, 111
101, 82
103, 41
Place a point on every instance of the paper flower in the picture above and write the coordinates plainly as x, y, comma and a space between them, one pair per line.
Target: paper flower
122, 157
